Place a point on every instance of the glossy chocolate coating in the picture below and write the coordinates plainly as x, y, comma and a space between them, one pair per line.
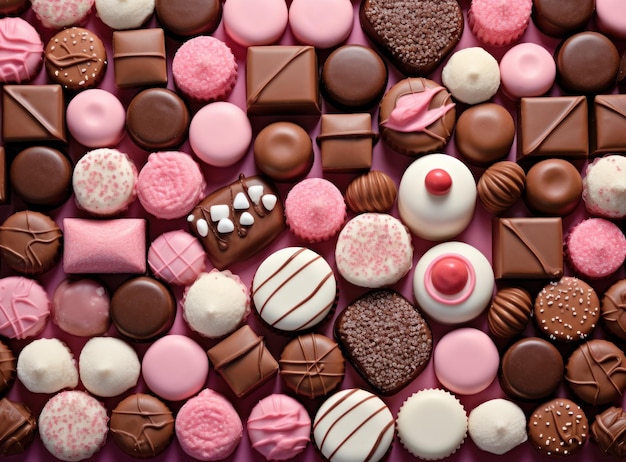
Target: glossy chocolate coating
558, 428
283, 151
30, 242
608, 431
608, 124
139, 57
142, 426
142, 309
17, 427
4, 169
7, 368
346, 142
186, 18
596, 372
42, 176
12, 7
501, 186
613, 309
559, 18
509, 312
484, 133
531, 369
553, 187
587, 62
354, 78
312, 365
157, 119
621, 74
374, 191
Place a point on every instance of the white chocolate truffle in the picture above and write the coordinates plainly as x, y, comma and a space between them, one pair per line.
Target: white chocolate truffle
471, 75
604, 187
46, 366
497, 426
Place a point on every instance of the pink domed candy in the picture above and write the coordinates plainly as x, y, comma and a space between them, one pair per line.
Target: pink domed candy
438, 182
177, 257
21, 50
526, 70
96, 118
81, 307
321, 23
24, 307
255, 22
611, 17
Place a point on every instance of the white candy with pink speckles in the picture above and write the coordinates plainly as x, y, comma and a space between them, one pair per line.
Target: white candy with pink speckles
104, 182
61, 13
374, 250
73, 425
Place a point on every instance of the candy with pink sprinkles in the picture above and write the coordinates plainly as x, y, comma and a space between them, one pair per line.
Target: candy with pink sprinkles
61, 13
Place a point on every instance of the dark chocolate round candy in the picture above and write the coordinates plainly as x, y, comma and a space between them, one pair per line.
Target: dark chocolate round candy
17, 427
613, 309
587, 62
283, 151
157, 118
42, 176
30, 242
484, 133
553, 187
12, 7
186, 18
531, 369
559, 18
142, 309
8, 366
142, 426
354, 78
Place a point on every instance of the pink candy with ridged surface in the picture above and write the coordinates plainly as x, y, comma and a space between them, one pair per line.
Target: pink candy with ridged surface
24, 307
499, 22
61, 13
21, 50
177, 257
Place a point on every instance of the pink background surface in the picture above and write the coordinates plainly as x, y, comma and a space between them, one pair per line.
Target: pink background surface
477, 234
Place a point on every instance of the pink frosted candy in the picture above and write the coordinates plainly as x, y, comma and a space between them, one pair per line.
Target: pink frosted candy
611, 17
170, 184
527, 69
21, 51
204, 69
81, 307
315, 210
96, 118
596, 248
177, 257
499, 22
255, 22
321, 23
24, 307
73, 425
208, 427
58, 14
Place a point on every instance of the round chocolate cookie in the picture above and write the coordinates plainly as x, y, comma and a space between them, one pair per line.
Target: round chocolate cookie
613, 309
30, 242
142, 309
596, 372
608, 431
353, 78
587, 62
509, 312
157, 119
186, 18
75, 58
312, 365
558, 427
283, 151
531, 369
567, 310
17, 427
142, 426
42, 176
553, 187
559, 18
8, 366
484, 133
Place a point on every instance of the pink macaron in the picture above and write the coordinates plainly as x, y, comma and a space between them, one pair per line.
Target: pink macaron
499, 22
323, 23
255, 22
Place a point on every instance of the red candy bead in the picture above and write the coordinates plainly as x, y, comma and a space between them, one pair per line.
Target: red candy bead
449, 275
438, 182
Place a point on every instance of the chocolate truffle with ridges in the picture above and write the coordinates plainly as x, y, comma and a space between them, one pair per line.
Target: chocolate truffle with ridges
186, 18
558, 19
385, 338
8, 365
558, 428
374, 191
17, 427
501, 186
608, 431
613, 309
509, 312
312, 365
567, 310
283, 151
553, 187
416, 35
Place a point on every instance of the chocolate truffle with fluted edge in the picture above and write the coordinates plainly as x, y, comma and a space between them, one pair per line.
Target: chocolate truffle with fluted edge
501, 186
558, 427
509, 312
608, 431
17, 427
553, 187
613, 309
283, 151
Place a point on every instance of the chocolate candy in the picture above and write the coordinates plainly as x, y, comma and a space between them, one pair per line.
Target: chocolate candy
354, 78
346, 142
558, 427
17, 427
157, 119
608, 431
7, 368
33, 113
553, 187
75, 58
282, 80
186, 18
142, 426
4, 185
553, 127
501, 186
587, 62
139, 57
528, 248
13, 7
608, 124
243, 361
312, 365
142, 309
509, 312
283, 151
374, 191
30, 242
613, 309
558, 18
42, 176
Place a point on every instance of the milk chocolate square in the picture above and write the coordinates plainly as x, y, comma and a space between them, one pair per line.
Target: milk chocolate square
4, 190
33, 113
608, 124
243, 361
553, 127
528, 248
139, 57
282, 80
346, 142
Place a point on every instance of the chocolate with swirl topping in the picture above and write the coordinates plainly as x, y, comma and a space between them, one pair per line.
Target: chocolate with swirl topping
608, 431
17, 427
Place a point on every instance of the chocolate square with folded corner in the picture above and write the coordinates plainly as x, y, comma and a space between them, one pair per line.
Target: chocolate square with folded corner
139, 57
243, 361
346, 142
608, 124
282, 80
553, 127
528, 248
33, 113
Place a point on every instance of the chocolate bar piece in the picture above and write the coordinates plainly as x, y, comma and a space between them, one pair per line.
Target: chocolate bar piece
33, 113
139, 57
243, 361
282, 80
553, 127
237, 221
346, 142
528, 248
608, 124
